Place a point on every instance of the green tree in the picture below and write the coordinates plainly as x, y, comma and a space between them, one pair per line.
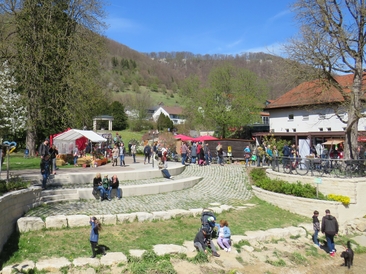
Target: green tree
164, 122
117, 110
234, 97
56, 57
332, 40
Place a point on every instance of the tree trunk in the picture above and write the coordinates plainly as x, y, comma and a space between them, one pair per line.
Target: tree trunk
31, 140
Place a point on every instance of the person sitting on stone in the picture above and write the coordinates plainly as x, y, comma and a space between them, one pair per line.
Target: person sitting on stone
163, 165
97, 186
114, 183
107, 188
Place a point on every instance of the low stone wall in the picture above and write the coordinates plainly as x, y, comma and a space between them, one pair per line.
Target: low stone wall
347, 187
12, 206
26, 224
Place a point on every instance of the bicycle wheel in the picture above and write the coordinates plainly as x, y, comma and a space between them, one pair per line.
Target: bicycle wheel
287, 168
349, 171
301, 169
338, 171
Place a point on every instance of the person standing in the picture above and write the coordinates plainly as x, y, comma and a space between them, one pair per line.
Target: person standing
247, 155
316, 227
76, 155
45, 169
133, 152
220, 155
122, 152
147, 153
207, 153
184, 152
115, 154
330, 228
53, 152
94, 235
44, 148
275, 157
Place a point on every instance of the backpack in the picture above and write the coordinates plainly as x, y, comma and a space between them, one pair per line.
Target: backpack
160, 153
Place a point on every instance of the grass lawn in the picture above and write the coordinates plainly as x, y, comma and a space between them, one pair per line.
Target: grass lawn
74, 242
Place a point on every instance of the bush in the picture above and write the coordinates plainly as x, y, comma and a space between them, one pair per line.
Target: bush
345, 200
260, 179
14, 183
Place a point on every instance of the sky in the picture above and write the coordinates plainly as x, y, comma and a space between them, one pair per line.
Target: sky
201, 26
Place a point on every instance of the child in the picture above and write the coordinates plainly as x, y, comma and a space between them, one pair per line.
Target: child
316, 227
107, 188
94, 235
253, 159
223, 239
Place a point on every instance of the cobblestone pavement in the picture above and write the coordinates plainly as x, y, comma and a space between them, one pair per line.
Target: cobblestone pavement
220, 184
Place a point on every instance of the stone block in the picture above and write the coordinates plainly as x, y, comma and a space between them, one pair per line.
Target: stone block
169, 249
86, 261
161, 215
26, 224
217, 210
144, 216
107, 219
53, 264
176, 213
58, 221
78, 220
123, 218
113, 258
196, 211
137, 252
23, 266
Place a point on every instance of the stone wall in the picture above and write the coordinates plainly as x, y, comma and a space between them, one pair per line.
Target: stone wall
13, 205
353, 188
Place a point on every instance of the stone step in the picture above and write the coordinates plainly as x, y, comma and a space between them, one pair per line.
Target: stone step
58, 192
60, 197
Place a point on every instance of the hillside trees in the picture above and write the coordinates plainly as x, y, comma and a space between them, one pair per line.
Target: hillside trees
233, 97
55, 51
117, 110
332, 40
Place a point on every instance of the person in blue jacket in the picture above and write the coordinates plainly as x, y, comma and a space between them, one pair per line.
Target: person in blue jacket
223, 239
94, 235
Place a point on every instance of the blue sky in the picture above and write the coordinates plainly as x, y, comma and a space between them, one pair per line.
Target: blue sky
201, 26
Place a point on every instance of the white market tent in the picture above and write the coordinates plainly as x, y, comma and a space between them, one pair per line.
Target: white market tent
65, 142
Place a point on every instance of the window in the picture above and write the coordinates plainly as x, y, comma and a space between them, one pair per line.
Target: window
320, 129
305, 117
287, 130
294, 130
344, 128
265, 120
329, 129
321, 116
290, 117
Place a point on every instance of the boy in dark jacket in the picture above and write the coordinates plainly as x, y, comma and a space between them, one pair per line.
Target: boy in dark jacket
330, 228
201, 242
316, 227
45, 169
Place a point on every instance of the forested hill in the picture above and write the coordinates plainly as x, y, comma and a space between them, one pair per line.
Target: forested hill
165, 70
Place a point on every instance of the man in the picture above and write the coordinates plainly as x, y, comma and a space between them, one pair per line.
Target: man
201, 242
44, 148
147, 153
330, 228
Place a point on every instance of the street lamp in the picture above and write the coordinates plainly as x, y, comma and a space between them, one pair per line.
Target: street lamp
153, 133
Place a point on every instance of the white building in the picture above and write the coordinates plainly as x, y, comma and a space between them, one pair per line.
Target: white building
174, 113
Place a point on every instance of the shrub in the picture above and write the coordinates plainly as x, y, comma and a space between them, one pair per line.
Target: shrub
260, 179
345, 200
14, 183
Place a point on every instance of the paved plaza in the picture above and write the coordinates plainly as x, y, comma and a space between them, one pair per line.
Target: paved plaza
220, 184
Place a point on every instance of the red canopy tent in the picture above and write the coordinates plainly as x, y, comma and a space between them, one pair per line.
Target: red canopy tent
205, 138
183, 137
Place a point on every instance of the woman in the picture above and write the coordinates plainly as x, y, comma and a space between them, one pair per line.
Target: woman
97, 186
94, 235
223, 239
53, 152
115, 185
122, 152
115, 153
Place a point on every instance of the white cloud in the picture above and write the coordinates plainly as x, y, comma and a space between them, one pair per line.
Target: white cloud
121, 25
278, 16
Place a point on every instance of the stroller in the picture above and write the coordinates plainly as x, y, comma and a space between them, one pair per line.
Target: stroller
208, 220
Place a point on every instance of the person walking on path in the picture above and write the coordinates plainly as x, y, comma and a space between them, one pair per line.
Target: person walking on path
53, 152
133, 152
115, 154
94, 235
247, 155
330, 228
316, 227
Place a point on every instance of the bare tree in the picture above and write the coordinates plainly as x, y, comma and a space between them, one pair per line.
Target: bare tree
332, 41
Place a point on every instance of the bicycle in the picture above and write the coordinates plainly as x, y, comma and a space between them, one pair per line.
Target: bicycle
333, 168
355, 167
295, 164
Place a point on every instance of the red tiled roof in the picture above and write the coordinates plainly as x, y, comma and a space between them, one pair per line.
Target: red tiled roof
173, 110
312, 93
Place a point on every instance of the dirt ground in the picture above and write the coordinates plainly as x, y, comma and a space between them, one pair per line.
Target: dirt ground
299, 256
